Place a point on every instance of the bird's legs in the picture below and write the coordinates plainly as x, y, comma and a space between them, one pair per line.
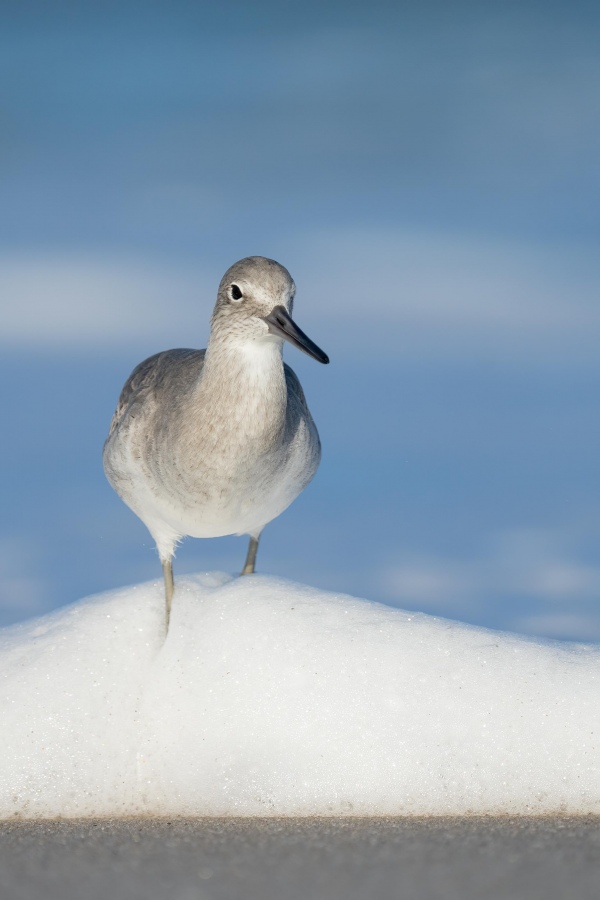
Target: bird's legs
167, 567
251, 556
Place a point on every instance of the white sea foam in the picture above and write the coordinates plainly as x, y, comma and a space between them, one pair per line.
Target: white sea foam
273, 698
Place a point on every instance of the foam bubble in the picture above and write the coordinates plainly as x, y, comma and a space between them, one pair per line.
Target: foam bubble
273, 698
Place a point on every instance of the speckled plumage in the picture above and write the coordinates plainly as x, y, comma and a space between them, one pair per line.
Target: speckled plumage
218, 441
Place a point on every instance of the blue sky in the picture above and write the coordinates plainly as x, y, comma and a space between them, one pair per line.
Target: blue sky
431, 179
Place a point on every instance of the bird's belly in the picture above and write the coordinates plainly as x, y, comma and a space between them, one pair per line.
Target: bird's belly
246, 503
245, 512
231, 496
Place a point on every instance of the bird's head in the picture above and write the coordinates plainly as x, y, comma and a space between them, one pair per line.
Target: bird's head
254, 306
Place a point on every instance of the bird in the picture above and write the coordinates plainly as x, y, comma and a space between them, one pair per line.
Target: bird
207, 443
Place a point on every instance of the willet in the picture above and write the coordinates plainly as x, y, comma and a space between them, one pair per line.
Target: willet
218, 441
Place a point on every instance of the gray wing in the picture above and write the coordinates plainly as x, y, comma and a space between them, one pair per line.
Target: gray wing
166, 370
298, 406
293, 385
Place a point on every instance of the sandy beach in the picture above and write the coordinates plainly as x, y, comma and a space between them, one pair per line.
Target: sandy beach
549, 858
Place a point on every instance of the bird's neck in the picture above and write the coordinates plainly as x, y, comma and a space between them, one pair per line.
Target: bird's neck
244, 384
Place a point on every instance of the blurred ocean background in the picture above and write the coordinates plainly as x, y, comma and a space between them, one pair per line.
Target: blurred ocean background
430, 175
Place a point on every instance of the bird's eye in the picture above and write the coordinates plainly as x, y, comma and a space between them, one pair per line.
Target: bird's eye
235, 292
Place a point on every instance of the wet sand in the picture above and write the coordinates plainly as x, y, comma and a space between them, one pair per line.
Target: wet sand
549, 858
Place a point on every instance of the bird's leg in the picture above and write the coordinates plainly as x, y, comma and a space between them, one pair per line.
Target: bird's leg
251, 556
167, 567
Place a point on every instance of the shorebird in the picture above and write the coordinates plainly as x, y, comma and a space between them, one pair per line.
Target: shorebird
218, 441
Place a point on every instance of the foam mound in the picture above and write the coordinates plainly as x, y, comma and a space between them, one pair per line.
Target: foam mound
273, 698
